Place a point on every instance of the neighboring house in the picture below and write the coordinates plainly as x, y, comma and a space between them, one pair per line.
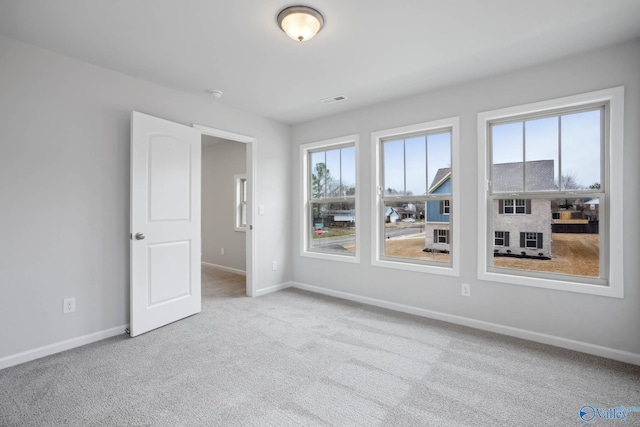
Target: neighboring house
592, 209
392, 215
523, 225
398, 213
437, 232
343, 217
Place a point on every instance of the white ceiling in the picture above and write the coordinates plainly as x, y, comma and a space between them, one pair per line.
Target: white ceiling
369, 50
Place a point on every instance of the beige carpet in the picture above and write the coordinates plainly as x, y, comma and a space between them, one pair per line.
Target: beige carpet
294, 358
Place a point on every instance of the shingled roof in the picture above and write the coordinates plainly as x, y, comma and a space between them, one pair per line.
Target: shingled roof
438, 179
539, 176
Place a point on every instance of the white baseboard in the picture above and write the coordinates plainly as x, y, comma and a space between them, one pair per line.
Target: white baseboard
273, 288
597, 350
222, 267
36, 353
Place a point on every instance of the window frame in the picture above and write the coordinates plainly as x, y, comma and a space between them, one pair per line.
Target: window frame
305, 188
377, 201
611, 195
446, 207
240, 199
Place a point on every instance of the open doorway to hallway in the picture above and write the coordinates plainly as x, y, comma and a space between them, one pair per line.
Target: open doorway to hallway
224, 205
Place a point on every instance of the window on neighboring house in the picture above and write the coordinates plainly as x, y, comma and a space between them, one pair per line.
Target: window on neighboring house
441, 236
240, 202
501, 238
514, 206
531, 240
544, 161
416, 186
330, 199
445, 207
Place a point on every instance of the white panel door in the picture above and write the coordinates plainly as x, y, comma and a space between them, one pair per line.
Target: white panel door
165, 222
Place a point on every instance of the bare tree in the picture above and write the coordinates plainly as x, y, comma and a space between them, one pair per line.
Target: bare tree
569, 181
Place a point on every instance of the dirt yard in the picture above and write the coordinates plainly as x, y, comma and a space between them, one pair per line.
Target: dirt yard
411, 247
576, 254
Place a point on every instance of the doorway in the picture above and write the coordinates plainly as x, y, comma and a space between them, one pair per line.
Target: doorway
228, 182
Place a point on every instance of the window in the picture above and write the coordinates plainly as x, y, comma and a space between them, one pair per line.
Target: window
330, 201
416, 187
441, 236
240, 202
531, 240
515, 206
501, 238
541, 166
445, 207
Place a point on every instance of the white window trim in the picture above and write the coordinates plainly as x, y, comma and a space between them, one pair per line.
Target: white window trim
237, 222
446, 207
376, 202
305, 149
615, 98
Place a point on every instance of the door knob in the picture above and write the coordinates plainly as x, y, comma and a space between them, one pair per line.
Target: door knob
139, 236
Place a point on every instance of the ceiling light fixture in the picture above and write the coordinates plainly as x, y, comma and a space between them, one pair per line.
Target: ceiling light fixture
300, 23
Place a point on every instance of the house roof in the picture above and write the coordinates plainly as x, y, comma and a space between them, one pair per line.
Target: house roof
539, 176
441, 177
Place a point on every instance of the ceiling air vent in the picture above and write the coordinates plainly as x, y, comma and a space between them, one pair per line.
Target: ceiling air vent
334, 99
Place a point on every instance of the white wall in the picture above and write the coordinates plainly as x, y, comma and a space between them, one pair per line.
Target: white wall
595, 320
220, 162
64, 191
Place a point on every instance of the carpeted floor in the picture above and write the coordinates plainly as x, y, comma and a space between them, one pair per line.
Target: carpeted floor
294, 358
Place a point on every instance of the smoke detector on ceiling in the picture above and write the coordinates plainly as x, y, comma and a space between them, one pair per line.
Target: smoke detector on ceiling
217, 94
334, 99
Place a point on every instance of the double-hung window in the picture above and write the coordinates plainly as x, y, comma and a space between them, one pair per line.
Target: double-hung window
241, 202
542, 166
416, 186
330, 200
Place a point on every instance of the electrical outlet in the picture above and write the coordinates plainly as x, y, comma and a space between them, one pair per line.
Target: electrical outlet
274, 265
221, 251
261, 210
466, 290
69, 305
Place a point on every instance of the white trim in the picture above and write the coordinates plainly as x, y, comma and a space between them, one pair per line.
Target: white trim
222, 267
272, 289
237, 181
47, 350
252, 178
615, 98
304, 185
452, 123
225, 134
580, 346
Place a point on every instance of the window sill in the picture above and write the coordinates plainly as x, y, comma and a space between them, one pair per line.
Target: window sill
445, 270
353, 259
558, 285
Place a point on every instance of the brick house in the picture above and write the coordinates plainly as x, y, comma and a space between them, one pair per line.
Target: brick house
521, 225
